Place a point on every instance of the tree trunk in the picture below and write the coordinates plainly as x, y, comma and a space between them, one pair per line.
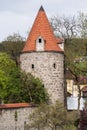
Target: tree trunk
79, 95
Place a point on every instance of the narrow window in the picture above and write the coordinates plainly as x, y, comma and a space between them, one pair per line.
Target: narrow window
32, 66
40, 40
54, 65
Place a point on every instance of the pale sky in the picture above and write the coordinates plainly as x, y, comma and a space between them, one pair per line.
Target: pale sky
17, 16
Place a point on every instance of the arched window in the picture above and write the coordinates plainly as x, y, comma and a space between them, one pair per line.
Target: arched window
40, 44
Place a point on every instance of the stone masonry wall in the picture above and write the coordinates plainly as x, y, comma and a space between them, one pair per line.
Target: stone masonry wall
8, 119
49, 67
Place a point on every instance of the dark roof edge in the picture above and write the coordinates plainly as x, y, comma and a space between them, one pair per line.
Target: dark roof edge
42, 51
41, 8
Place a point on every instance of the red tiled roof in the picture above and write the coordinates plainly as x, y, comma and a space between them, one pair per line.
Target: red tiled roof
15, 105
41, 27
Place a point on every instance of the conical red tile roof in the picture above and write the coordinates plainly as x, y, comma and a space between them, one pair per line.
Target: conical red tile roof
41, 27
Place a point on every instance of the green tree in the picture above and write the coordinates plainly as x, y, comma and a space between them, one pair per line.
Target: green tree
74, 31
53, 116
75, 60
4, 81
13, 45
16, 86
9, 78
32, 89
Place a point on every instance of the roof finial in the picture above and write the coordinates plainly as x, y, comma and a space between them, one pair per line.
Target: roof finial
41, 8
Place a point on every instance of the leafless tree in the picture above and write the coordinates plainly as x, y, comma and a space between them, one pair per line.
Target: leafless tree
63, 26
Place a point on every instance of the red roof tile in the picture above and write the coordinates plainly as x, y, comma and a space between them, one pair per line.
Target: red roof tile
41, 27
15, 105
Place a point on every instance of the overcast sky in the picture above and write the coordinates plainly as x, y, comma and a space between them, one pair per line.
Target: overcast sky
17, 16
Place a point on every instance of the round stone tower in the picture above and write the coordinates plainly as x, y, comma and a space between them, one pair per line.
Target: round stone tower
43, 58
